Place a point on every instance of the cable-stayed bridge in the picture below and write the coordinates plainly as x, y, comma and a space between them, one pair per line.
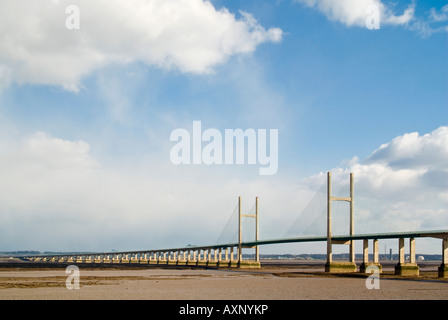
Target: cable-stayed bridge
230, 254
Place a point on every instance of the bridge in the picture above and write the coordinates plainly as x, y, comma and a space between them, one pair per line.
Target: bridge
230, 255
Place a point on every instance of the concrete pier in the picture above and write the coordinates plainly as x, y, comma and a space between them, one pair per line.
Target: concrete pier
365, 262
404, 268
443, 269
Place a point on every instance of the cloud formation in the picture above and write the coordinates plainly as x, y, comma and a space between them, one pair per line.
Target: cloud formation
439, 16
187, 35
361, 12
355, 12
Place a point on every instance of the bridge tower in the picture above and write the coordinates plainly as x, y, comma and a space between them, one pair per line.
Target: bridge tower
332, 266
247, 263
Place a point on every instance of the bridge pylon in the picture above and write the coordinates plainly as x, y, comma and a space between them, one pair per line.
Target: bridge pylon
247, 263
332, 266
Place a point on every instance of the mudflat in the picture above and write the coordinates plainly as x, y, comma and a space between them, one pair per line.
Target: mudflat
274, 281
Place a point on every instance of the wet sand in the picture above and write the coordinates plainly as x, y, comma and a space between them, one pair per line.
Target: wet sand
274, 281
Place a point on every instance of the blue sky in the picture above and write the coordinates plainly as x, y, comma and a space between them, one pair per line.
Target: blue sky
323, 80
334, 89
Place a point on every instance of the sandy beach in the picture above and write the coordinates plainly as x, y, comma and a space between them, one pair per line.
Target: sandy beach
292, 281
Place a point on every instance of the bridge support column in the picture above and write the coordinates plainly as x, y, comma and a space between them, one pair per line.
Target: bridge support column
240, 237
412, 250
124, 258
202, 257
365, 261
443, 269
233, 262
181, 258
376, 259
211, 260
365, 256
134, 258
223, 260
172, 257
403, 268
144, 258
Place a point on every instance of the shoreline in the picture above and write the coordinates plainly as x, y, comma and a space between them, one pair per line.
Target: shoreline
275, 280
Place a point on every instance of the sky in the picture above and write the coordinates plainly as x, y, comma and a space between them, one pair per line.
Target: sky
90, 93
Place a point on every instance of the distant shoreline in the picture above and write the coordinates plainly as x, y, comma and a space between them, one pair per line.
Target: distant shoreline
302, 256
265, 263
275, 280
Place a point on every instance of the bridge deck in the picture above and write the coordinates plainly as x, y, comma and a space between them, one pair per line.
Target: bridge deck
443, 234
391, 235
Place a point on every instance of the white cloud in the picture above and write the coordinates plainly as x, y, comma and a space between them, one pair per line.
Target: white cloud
439, 16
58, 152
436, 22
415, 151
187, 35
355, 12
